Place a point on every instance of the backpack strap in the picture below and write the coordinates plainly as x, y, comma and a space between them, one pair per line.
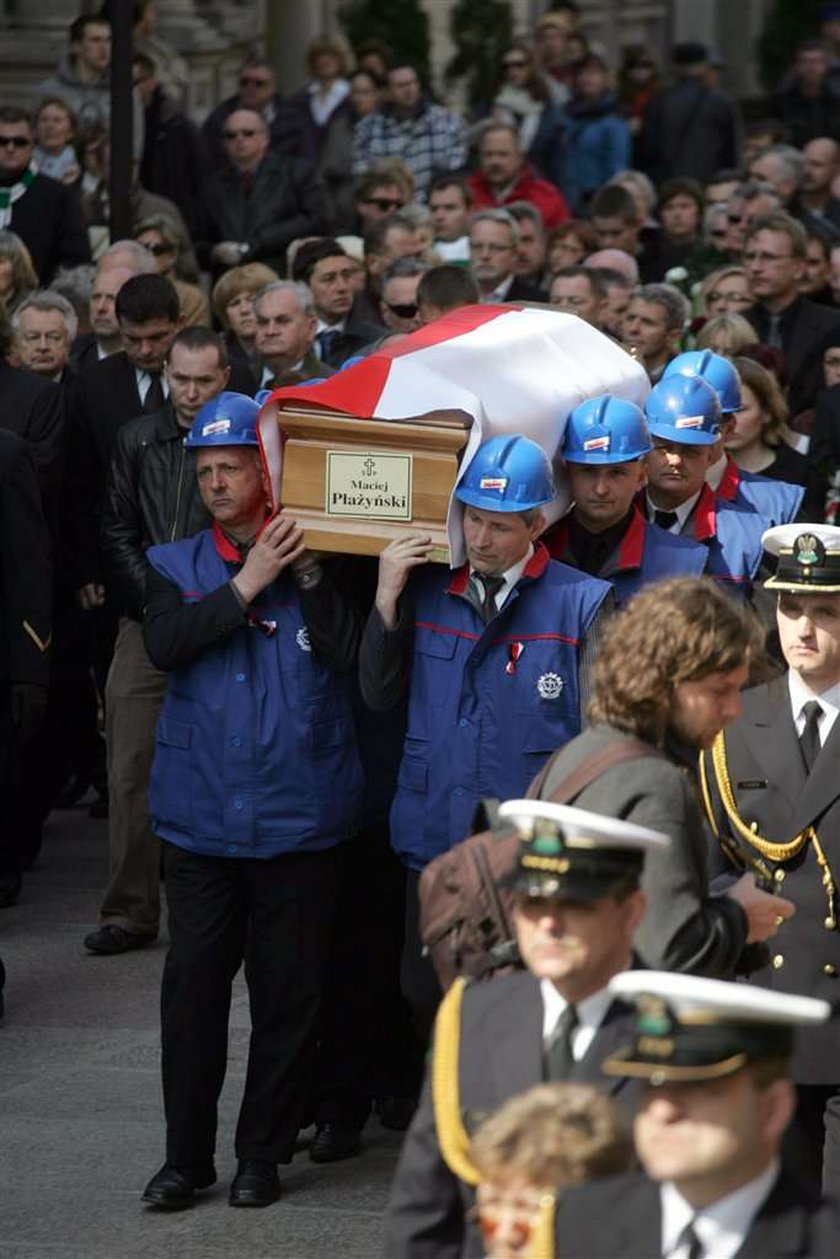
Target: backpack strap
592, 768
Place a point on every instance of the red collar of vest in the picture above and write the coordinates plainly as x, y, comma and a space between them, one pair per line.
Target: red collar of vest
730, 482
535, 568
632, 544
228, 550
705, 515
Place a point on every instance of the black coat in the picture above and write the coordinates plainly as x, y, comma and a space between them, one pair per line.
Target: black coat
48, 219
689, 130
175, 156
287, 200
25, 577
152, 497
523, 291
358, 333
772, 789
806, 329
32, 407
621, 1218
287, 138
501, 1054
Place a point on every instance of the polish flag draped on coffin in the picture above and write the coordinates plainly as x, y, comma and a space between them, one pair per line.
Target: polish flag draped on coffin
512, 369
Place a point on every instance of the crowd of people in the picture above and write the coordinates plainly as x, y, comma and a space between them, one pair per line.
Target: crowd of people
291, 742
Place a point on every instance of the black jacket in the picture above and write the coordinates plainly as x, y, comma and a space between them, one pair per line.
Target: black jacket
175, 157
32, 407
689, 130
25, 581
622, 1216
523, 291
152, 497
287, 200
806, 330
48, 219
500, 1055
358, 333
772, 789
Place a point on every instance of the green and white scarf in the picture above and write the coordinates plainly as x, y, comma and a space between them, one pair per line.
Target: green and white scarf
8, 196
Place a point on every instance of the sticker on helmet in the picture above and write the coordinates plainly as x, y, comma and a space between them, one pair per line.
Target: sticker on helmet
597, 443
549, 685
215, 426
689, 421
493, 483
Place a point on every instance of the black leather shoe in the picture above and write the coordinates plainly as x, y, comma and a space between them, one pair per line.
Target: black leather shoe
113, 939
255, 1184
396, 1113
175, 1190
334, 1142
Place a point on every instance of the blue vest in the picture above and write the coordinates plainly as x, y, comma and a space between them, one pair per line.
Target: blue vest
732, 533
778, 502
487, 703
255, 748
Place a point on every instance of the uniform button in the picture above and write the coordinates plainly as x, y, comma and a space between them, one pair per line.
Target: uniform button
830, 970
778, 961
230, 848
240, 677
236, 742
463, 722
779, 876
238, 804
459, 791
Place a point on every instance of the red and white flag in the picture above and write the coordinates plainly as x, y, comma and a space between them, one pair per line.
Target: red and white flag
514, 369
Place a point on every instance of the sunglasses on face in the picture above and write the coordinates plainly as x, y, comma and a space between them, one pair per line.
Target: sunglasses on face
15, 142
250, 80
403, 311
384, 203
159, 250
234, 135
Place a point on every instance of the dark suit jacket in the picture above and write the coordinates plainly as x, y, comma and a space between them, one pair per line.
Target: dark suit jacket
621, 1218
358, 332
32, 407
772, 789
523, 291
806, 329
501, 1054
25, 582
48, 219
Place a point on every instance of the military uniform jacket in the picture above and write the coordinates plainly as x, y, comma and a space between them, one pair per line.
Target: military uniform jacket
771, 789
501, 1054
621, 1218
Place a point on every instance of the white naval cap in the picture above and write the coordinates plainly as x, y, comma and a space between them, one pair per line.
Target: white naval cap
808, 558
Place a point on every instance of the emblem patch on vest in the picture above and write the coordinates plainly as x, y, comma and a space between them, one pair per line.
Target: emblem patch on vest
302, 639
549, 685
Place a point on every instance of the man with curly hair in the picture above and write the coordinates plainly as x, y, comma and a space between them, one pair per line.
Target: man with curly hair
669, 673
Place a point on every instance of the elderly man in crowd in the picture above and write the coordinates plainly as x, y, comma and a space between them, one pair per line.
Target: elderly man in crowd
286, 326
44, 328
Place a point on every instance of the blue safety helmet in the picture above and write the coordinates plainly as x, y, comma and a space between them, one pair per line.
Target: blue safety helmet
716, 370
229, 420
606, 430
509, 473
684, 409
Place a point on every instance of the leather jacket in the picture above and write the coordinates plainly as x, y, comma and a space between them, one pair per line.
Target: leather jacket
152, 497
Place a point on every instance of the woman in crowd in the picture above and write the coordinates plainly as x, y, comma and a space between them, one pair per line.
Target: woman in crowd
597, 138
538, 1142
55, 132
727, 335
524, 99
17, 274
162, 237
568, 245
757, 442
725, 291
232, 305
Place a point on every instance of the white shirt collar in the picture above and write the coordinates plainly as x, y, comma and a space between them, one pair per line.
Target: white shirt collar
323, 106
800, 695
268, 374
714, 475
511, 576
722, 1227
590, 1012
683, 511
499, 294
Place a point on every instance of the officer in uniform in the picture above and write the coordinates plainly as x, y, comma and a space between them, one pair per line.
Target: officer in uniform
777, 501
772, 791
255, 783
577, 905
684, 416
717, 1098
494, 661
604, 533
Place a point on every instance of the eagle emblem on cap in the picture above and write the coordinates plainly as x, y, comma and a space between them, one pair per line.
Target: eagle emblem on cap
808, 550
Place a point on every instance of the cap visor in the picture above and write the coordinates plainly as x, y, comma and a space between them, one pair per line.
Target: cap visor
619, 1064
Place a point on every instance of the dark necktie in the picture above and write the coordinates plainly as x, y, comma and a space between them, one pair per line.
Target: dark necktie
774, 333
559, 1057
809, 740
327, 339
689, 1238
665, 519
492, 586
154, 399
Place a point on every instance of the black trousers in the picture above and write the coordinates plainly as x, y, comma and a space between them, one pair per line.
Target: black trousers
812, 1141
277, 916
417, 976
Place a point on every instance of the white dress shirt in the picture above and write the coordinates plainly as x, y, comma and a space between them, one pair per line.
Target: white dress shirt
511, 577
590, 1012
722, 1227
453, 250
682, 512
144, 380
800, 695
499, 294
323, 106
